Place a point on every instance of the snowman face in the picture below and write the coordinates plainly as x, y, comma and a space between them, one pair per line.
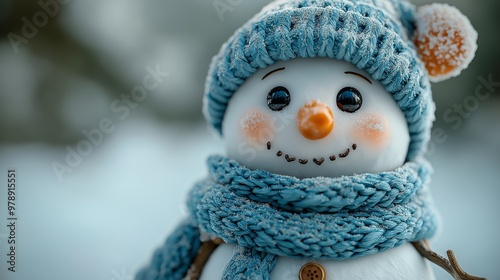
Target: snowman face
315, 117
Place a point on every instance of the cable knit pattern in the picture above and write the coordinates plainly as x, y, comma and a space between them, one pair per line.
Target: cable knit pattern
263, 214
322, 195
371, 34
249, 264
361, 219
172, 260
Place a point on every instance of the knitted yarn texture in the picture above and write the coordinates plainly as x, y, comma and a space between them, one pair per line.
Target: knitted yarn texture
172, 260
371, 34
269, 215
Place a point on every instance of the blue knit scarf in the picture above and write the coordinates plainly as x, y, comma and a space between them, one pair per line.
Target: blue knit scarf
269, 215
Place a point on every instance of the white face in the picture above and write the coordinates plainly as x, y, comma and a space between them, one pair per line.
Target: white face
315, 117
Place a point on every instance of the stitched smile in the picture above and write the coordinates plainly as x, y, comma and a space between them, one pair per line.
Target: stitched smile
317, 161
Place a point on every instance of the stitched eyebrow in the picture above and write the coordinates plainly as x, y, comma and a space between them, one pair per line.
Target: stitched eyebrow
272, 72
359, 75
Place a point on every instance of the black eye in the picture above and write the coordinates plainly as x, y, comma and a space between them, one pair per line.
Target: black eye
349, 100
278, 98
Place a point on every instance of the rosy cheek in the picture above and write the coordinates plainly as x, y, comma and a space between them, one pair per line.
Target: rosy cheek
372, 129
256, 127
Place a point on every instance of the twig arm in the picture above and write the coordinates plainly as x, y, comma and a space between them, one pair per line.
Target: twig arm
450, 265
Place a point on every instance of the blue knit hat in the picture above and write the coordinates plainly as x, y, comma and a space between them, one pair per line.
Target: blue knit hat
374, 35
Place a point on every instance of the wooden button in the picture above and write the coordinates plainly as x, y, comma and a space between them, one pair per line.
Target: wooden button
312, 271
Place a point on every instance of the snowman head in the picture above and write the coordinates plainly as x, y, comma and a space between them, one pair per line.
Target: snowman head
315, 117
334, 87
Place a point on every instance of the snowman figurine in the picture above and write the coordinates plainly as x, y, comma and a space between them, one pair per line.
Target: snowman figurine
325, 109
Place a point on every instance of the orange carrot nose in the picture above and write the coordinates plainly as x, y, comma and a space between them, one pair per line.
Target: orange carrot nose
315, 120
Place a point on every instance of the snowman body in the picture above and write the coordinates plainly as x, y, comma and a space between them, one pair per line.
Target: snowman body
319, 117
403, 262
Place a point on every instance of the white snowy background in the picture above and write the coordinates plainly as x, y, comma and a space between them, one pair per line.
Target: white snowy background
103, 220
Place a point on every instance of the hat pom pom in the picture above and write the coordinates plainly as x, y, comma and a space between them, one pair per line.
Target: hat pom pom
445, 40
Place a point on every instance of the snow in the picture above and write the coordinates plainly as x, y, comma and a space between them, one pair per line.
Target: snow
253, 121
372, 123
106, 218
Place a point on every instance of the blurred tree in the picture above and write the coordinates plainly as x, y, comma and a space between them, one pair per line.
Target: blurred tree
90, 53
